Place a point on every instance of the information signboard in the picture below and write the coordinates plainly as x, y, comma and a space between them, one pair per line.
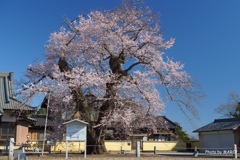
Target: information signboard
76, 131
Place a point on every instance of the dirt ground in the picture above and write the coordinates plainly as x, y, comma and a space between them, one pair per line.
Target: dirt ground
113, 156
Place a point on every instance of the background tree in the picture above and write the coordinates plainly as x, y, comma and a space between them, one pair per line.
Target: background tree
182, 135
230, 109
118, 56
41, 111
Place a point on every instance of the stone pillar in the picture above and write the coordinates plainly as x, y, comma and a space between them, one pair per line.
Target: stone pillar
138, 149
11, 147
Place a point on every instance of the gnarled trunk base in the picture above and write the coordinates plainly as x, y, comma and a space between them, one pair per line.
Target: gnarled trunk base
95, 141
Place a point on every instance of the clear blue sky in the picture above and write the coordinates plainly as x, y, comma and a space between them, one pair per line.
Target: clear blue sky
207, 41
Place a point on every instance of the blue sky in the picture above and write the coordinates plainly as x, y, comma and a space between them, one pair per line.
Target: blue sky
207, 41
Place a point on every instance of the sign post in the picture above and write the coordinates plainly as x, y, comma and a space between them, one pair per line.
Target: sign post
76, 131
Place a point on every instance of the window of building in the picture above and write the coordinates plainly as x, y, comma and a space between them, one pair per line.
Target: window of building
160, 137
40, 136
7, 130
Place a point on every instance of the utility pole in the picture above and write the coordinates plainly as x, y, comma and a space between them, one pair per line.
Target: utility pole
45, 127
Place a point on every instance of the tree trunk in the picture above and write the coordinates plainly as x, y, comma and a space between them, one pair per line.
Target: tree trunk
96, 136
95, 141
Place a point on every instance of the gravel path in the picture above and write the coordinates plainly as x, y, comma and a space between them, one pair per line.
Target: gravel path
115, 157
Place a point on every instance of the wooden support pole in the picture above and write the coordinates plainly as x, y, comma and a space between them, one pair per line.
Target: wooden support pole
66, 149
85, 148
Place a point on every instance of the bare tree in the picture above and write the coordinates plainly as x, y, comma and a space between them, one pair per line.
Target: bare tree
230, 109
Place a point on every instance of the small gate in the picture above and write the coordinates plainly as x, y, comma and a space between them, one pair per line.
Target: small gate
134, 141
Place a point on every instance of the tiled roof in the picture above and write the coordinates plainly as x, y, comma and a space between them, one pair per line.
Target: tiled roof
28, 119
220, 125
40, 120
7, 98
164, 122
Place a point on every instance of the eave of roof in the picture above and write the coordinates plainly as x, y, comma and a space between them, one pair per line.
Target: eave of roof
28, 119
41, 120
7, 100
76, 120
220, 125
163, 121
21, 106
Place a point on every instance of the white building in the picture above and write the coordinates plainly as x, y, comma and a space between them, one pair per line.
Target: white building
220, 134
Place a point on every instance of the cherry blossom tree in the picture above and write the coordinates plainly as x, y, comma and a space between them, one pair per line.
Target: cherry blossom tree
111, 63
